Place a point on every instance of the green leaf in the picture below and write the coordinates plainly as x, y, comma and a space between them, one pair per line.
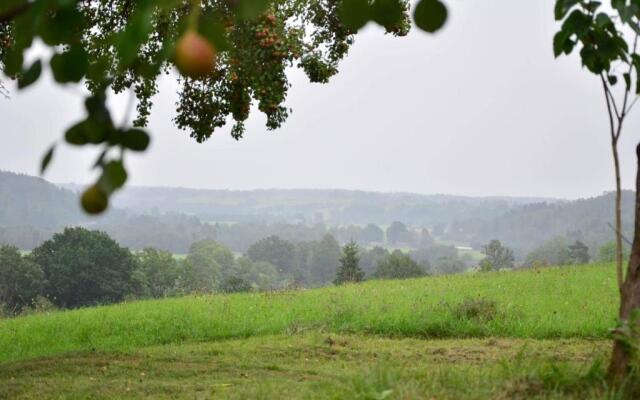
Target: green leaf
612, 79
212, 29
134, 36
603, 20
559, 41
87, 131
135, 139
562, 8
13, 61
591, 59
577, 23
387, 13
250, 9
77, 135
24, 26
62, 27
627, 80
96, 107
592, 6
355, 14
113, 176
635, 59
31, 75
47, 159
70, 66
430, 15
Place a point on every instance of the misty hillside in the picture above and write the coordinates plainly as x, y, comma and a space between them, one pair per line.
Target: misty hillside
173, 218
333, 207
31, 201
524, 228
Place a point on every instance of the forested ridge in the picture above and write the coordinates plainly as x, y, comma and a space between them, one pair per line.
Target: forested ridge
174, 218
32, 201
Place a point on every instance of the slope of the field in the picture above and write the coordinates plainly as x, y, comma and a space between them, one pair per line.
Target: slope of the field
509, 335
571, 302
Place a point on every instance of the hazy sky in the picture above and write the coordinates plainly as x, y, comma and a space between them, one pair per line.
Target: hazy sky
482, 108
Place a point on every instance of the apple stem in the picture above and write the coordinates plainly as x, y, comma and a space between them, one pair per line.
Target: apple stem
194, 16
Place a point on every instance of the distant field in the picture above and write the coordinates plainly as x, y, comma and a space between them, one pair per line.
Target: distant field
474, 255
571, 302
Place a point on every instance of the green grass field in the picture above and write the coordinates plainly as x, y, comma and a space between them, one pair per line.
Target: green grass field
515, 334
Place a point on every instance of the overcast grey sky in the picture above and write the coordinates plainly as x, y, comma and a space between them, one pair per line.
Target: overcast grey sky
482, 108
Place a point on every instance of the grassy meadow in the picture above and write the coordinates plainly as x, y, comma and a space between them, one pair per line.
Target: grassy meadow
534, 332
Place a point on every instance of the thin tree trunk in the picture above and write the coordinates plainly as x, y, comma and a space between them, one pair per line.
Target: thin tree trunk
630, 294
618, 216
615, 135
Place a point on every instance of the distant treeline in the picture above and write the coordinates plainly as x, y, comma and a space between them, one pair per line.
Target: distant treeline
586, 220
80, 267
332, 207
176, 233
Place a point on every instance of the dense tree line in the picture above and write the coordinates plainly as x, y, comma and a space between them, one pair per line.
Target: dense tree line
555, 252
80, 267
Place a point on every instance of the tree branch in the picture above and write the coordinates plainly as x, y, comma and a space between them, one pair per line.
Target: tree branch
609, 109
12, 13
616, 231
610, 98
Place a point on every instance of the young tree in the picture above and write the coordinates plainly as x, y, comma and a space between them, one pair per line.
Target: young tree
607, 252
554, 251
159, 270
369, 259
497, 256
447, 265
260, 274
349, 270
275, 251
579, 253
325, 259
206, 265
607, 39
397, 233
604, 51
398, 265
372, 234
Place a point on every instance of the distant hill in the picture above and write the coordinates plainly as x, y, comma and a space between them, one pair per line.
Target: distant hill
333, 207
528, 226
29, 201
172, 218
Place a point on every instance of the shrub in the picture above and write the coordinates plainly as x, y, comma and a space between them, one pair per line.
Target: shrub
477, 309
39, 305
398, 265
233, 284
